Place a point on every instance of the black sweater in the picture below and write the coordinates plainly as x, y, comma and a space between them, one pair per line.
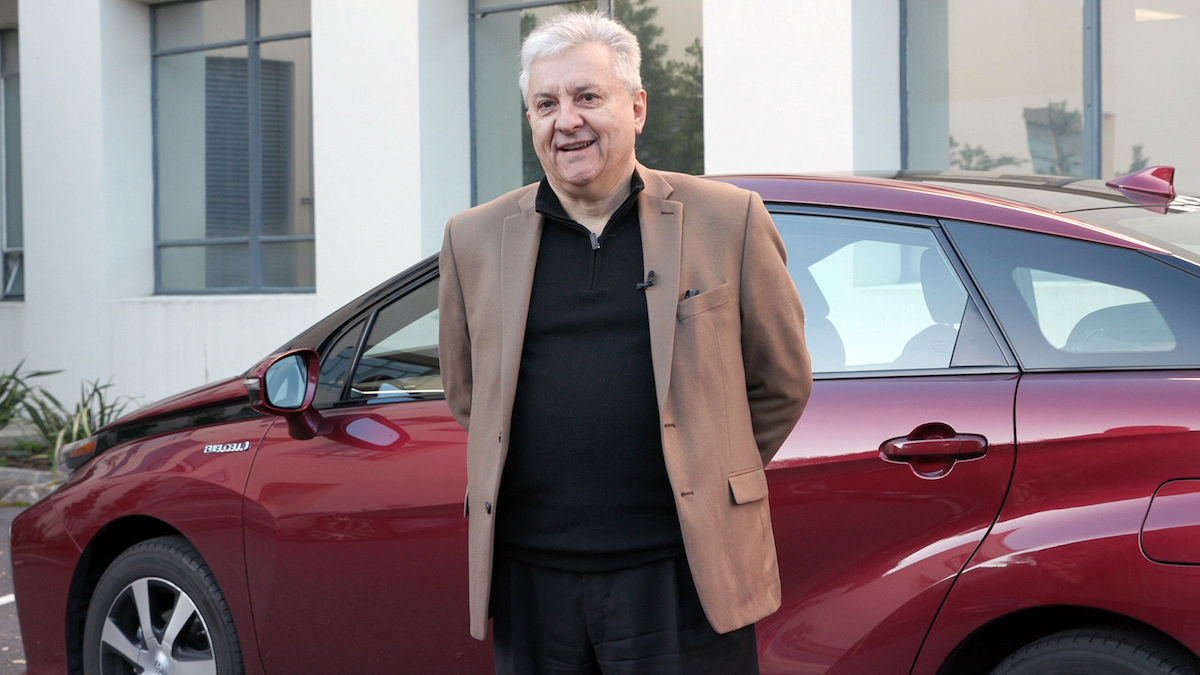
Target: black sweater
585, 487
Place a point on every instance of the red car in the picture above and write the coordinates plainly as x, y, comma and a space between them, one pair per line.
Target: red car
999, 469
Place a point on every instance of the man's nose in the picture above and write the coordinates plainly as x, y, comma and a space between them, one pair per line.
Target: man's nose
568, 118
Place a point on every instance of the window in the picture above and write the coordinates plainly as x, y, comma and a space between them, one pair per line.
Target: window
1066, 303
12, 239
233, 147
1051, 86
399, 360
669, 32
880, 297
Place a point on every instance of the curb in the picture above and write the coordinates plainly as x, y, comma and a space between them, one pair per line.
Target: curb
24, 486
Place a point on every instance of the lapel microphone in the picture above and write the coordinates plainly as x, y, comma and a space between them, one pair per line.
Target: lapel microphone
648, 282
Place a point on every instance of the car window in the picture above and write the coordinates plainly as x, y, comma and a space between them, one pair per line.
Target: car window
400, 357
881, 297
1066, 303
336, 365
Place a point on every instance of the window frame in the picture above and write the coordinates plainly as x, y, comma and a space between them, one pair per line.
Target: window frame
951, 254
255, 240
474, 13
16, 253
990, 313
423, 275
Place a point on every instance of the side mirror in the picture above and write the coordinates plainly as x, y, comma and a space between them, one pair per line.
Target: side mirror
284, 385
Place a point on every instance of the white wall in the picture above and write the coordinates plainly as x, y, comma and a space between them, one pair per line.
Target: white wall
876, 84
366, 143
801, 86
445, 117
67, 273
12, 334
778, 86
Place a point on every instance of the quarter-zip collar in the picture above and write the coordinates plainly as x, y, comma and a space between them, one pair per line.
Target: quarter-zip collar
549, 205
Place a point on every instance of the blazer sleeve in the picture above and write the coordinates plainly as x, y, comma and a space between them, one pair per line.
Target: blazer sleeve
778, 368
454, 338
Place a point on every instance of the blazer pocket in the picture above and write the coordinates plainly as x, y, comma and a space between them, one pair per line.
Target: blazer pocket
748, 486
704, 302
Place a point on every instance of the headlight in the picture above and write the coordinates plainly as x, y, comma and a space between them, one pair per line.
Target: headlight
73, 455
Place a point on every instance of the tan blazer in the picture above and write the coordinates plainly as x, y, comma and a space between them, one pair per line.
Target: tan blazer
730, 367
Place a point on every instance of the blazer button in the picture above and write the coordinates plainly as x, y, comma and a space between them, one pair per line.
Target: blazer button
487, 506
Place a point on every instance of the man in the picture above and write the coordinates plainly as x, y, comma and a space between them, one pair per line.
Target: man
626, 349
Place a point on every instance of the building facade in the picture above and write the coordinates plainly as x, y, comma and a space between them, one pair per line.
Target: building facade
186, 185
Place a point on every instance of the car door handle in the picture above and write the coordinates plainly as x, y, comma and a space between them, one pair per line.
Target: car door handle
959, 446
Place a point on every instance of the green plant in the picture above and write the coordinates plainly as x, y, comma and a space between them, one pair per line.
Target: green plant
56, 426
14, 390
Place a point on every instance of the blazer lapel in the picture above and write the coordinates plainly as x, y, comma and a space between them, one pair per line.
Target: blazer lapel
518, 258
662, 234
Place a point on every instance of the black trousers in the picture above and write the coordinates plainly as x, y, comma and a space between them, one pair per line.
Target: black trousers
645, 619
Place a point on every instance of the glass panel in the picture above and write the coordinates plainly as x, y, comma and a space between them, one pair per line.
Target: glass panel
336, 366
1150, 103
203, 132
276, 17
876, 297
289, 264
996, 86
1082, 315
14, 210
1066, 303
504, 157
670, 33
14, 276
196, 268
401, 356
194, 24
287, 137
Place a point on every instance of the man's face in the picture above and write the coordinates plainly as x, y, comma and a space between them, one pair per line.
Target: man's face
584, 120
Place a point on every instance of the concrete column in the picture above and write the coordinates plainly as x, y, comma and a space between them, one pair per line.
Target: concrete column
88, 187
808, 86
445, 117
366, 143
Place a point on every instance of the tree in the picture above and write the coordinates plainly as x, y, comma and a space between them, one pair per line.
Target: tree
975, 158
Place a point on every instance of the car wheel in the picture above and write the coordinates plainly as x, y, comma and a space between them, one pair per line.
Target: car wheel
158, 609
1099, 651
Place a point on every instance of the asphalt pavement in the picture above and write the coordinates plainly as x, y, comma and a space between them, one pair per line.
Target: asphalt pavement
12, 652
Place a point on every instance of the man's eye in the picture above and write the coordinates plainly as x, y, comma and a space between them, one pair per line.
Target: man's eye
589, 97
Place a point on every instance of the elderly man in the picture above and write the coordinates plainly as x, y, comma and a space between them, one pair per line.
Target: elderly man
626, 348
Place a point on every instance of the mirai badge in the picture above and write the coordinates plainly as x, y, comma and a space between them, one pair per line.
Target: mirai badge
227, 447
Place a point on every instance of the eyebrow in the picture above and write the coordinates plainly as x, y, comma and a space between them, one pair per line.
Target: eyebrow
576, 90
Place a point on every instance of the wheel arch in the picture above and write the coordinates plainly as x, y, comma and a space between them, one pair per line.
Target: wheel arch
984, 649
100, 552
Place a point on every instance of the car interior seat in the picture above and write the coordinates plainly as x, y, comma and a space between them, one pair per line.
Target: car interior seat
1136, 327
946, 301
825, 345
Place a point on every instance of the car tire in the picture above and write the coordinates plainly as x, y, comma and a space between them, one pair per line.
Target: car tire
1099, 651
162, 585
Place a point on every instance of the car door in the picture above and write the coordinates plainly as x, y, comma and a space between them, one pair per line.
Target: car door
1102, 512
356, 540
901, 461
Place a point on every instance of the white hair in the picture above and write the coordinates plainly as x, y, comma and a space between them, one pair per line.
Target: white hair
578, 28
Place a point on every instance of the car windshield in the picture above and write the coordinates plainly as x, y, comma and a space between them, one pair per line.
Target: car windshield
1177, 231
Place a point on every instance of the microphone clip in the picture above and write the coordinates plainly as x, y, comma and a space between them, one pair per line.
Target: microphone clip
647, 283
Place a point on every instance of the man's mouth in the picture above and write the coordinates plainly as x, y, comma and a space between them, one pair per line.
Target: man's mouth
569, 147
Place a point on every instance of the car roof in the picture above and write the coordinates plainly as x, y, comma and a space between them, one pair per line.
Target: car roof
1033, 203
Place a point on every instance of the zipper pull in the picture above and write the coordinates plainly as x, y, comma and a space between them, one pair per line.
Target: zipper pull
595, 241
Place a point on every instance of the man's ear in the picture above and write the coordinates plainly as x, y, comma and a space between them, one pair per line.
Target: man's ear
639, 111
